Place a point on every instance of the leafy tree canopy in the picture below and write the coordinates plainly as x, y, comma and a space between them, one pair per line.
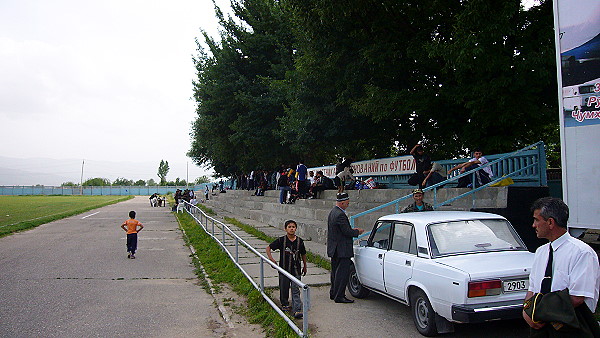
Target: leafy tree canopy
122, 181
202, 179
319, 80
163, 170
98, 181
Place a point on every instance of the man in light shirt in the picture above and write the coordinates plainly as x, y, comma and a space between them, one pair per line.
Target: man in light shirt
482, 176
565, 262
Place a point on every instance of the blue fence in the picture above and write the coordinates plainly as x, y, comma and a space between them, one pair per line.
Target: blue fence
93, 191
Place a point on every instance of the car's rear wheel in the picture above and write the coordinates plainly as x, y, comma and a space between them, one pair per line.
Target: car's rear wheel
354, 287
423, 314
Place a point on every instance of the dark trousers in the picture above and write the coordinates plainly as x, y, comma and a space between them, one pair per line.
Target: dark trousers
435, 178
131, 243
302, 189
284, 293
340, 272
417, 179
316, 189
283, 194
481, 178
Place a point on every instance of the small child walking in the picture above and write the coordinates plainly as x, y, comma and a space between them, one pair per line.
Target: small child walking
291, 250
132, 227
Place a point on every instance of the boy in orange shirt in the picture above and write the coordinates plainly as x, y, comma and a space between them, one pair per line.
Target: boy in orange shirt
132, 227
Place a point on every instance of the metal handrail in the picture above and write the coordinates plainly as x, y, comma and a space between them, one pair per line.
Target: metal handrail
434, 187
193, 210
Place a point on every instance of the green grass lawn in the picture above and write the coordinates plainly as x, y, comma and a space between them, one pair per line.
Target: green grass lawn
18, 213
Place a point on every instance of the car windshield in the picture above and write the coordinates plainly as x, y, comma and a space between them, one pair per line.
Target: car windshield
479, 235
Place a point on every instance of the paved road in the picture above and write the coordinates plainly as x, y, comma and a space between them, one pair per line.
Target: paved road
72, 278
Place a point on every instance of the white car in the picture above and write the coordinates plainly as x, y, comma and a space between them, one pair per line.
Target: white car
448, 266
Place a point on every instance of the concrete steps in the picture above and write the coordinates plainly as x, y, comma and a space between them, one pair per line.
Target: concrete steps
311, 214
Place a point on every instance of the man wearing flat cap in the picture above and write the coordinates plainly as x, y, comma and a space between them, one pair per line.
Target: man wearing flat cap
339, 247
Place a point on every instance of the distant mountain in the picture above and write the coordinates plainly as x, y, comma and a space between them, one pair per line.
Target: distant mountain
45, 171
22, 177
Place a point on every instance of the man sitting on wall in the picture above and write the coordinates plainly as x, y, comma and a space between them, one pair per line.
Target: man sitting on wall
482, 176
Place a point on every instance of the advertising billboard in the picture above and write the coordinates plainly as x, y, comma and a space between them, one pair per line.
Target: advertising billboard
577, 30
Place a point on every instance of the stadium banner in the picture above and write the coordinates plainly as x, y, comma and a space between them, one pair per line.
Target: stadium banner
400, 165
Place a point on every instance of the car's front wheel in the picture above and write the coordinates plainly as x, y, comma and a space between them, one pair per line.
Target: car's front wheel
354, 287
423, 314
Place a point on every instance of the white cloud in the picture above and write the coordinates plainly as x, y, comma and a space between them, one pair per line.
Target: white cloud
99, 80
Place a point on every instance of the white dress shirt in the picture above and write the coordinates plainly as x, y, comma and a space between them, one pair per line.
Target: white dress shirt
575, 266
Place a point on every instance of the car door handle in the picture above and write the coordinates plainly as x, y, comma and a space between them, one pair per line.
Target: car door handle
408, 263
380, 256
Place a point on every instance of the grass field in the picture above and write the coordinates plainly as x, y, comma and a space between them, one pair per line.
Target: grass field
18, 213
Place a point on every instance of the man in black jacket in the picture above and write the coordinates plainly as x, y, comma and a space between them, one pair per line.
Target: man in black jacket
339, 248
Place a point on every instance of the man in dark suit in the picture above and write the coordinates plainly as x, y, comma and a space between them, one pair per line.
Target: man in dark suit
339, 248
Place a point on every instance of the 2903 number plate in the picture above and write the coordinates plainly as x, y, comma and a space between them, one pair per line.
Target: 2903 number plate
516, 285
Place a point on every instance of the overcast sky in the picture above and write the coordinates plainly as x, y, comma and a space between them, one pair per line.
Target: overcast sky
106, 80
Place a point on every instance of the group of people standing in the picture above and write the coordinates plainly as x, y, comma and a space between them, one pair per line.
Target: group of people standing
156, 200
185, 195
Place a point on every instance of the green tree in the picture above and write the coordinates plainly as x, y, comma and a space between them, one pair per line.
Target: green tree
367, 79
202, 179
69, 184
498, 66
180, 182
163, 170
97, 181
237, 104
452, 73
151, 182
122, 182
139, 183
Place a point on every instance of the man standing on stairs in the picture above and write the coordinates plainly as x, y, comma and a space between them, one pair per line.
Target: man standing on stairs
339, 247
301, 174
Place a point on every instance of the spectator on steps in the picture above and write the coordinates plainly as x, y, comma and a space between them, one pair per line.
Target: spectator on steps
482, 176
283, 186
341, 178
435, 176
422, 164
302, 183
322, 182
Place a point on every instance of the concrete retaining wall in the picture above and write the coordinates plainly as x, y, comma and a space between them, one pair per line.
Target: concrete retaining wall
311, 214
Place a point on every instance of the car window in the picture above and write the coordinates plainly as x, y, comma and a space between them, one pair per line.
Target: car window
413, 243
403, 236
469, 236
381, 236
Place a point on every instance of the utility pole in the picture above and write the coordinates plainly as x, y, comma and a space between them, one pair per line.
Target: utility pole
81, 180
187, 174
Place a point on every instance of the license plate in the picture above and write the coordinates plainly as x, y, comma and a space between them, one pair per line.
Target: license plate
516, 285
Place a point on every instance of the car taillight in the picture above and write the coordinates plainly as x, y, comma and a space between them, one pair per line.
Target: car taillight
485, 288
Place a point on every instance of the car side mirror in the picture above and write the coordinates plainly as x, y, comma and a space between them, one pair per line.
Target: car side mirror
363, 242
